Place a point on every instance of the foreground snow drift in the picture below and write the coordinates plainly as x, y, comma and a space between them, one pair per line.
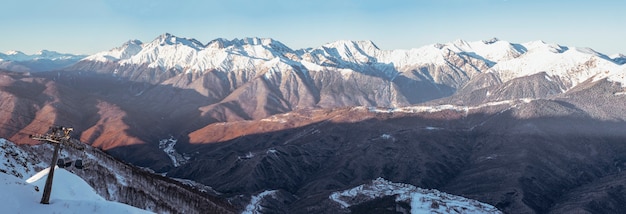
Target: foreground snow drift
70, 194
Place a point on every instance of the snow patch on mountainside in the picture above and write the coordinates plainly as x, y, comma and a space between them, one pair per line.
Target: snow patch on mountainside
198, 186
254, 206
167, 145
421, 200
448, 107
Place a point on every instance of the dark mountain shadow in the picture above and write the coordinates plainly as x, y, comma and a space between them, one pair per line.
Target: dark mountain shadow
518, 165
520, 48
421, 91
476, 56
152, 112
20, 110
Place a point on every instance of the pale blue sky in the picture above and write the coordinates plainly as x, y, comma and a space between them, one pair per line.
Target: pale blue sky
90, 26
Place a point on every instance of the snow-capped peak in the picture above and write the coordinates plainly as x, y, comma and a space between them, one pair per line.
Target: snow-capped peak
189, 55
491, 41
268, 43
570, 64
508, 60
132, 42
218, 43
494, 50
169, 39
592, 52
540, 45
364, 46
14, 53
46, 53
348, 51
127, 50
257, 41
459, 43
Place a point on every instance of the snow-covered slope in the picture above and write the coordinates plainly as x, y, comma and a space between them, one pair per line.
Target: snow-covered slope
70, 194
420, 200
126, 51
493, 50
571, 65
103, 179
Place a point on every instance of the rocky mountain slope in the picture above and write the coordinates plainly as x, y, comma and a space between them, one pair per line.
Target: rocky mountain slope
526, 127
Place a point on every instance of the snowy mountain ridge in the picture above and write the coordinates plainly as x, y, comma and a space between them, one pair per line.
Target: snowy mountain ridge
41, 61
507, 60
41, 55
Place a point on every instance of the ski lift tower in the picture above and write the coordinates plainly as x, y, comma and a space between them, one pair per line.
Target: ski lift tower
56, 135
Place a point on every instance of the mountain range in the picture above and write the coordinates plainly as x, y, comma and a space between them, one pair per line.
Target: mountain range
41, 61
526, 127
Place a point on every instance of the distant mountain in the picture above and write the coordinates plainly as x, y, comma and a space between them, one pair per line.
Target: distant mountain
41, 61
527, 127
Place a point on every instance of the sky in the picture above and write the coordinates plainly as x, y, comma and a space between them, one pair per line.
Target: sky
88, 27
